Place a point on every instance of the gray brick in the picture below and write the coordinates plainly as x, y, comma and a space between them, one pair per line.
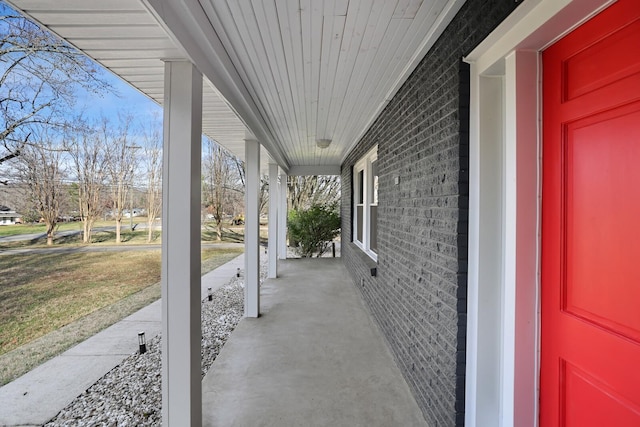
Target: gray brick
419, 295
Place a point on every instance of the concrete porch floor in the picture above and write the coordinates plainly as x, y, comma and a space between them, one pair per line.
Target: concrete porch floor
313, 358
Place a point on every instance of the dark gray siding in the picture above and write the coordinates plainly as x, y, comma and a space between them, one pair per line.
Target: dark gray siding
419, 294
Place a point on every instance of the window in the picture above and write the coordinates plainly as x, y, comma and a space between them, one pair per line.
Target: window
365, 201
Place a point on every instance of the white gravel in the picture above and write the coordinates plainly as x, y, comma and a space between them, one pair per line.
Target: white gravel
130, 394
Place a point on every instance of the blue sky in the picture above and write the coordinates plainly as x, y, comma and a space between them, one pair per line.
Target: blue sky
123, 99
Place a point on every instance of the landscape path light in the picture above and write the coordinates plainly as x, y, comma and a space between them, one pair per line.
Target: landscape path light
142, 342
210, 294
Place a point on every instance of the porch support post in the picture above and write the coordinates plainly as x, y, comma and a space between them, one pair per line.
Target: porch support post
252, 229
274, 194
282, 218
181, 336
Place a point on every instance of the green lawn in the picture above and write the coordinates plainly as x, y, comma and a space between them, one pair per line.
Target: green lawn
14, 230
41, 293
107, 237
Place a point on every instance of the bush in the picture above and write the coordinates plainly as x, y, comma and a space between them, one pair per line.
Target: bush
30, 216
311, 230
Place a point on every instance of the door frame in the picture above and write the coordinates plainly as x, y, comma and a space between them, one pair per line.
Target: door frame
505, 167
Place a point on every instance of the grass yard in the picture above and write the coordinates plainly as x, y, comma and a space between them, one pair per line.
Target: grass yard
43, 293
13, 230
102, 236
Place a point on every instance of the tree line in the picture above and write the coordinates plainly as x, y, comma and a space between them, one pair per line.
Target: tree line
89, 171
53, 161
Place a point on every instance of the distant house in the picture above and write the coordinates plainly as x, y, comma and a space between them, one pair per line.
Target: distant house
9, 217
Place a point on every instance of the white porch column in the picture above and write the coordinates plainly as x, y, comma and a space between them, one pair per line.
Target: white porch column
181, 382
282, 218
252, 229
274, 195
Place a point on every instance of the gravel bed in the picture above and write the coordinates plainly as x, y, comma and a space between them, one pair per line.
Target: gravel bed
130, 394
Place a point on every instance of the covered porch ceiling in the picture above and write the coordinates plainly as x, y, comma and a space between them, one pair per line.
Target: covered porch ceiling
285, 72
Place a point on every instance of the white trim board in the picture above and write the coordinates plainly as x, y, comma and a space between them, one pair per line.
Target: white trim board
502, 378
302, 170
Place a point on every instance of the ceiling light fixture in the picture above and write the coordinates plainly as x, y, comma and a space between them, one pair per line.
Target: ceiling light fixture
323, 143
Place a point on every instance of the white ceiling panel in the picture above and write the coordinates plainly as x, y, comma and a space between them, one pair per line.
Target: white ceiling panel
323, 69
123, 44
110, 31
79, 5
289, 72
88, 18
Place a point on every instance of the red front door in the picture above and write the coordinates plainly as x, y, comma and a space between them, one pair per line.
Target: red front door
590, 348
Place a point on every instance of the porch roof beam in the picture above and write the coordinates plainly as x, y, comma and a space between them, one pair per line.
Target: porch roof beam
302, 170
187, 24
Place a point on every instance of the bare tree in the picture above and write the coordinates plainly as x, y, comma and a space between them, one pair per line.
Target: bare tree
223, 184
153, 164
239, 168
264, 194
40, 168
217, 178
237, 183
39, 75
89, 160
121, 161
306, 191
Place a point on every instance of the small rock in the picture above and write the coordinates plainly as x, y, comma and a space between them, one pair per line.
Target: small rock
130, 394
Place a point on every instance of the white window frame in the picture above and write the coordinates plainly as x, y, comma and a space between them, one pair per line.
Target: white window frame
364, 165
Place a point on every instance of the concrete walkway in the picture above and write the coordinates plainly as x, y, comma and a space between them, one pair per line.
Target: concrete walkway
38, 396
313, 358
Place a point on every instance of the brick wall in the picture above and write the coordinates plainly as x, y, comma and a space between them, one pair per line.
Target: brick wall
419, 294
